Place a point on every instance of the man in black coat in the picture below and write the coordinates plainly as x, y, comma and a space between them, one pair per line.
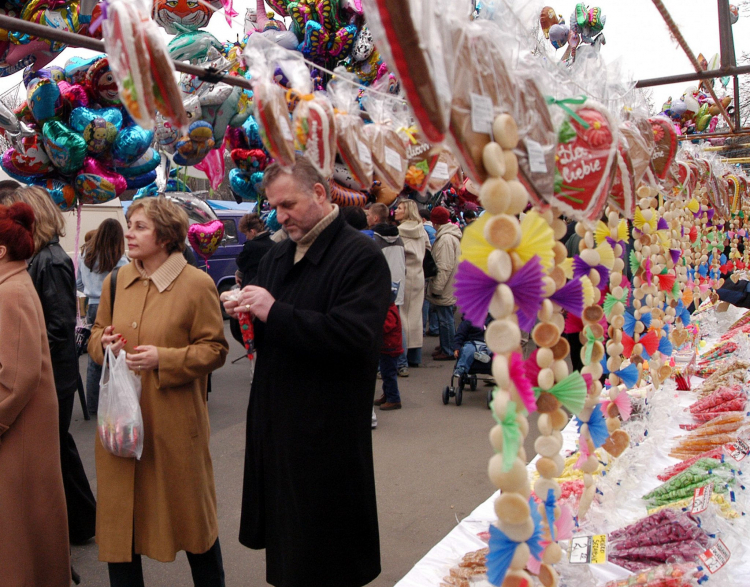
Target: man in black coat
319, 301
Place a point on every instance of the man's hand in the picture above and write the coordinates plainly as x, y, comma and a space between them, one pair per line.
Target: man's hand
145, 358
455, 353
256, 300
230, 301
112, 340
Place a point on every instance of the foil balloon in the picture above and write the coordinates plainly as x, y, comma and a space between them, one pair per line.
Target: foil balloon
193, 46
142, 180
193, 147
75, 95
101, 83
145, 164
131, 144
62, 194
97, 185
179, 16
245, 185
206, 238
43, 99
213, 166
80, 118
29, 161
8, 120
152, 190
558, 35
76, 68
65, 147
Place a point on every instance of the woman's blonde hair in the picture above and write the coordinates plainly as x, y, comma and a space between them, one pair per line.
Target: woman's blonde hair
49, 220
170, 221
411, 212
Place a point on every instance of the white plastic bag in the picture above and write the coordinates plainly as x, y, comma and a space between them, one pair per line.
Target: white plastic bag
120, 422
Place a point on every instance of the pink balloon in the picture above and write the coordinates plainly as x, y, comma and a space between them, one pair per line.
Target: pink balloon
96, 167
213, 166
206, 238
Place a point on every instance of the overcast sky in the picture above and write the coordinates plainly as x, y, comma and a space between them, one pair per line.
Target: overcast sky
634, 31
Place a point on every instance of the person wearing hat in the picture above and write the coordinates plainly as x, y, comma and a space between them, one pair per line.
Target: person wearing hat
446, 252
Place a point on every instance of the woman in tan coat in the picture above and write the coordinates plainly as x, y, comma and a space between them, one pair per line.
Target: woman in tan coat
416, 242
34, 547
168, 319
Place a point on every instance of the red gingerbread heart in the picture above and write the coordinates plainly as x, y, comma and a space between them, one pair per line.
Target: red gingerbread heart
583, 162
665, 137
621, 196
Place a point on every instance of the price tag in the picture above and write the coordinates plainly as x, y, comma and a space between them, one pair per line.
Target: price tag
441, 171
364, 153
393, 159
586, 550
537, 164
482, 115
286, 130
738, 450
716, 557
701, 498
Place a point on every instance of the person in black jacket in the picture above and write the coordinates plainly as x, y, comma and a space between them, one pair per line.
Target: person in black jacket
319, 303
468, 346
258, 243
51, 270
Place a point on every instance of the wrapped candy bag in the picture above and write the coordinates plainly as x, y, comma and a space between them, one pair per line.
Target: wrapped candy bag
422, 158
351, 140
313, 124
387, 144
445, 169
271, 112
699, 474
669, 575
120, 423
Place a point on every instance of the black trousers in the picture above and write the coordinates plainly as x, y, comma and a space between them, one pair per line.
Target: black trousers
78, 496
207, 570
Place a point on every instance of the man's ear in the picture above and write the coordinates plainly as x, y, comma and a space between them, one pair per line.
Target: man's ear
320, 193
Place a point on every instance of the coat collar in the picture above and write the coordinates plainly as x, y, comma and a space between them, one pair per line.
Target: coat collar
163, 277
318, 248
8, 270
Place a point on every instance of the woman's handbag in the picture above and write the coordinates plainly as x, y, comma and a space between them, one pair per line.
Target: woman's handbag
429, 266
120, 421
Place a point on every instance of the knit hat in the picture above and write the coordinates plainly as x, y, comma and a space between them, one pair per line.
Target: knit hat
440, 216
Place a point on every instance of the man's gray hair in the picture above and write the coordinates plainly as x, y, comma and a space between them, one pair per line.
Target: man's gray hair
303, 171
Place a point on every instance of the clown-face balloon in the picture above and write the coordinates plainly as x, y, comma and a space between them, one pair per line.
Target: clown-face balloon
101, 83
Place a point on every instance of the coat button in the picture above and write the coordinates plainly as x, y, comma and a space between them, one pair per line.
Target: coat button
145, 283
135, 325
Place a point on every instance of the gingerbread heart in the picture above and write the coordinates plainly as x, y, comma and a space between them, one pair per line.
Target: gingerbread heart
623, 187
665, 137
586, 150
315, 132
640, 139
617, 442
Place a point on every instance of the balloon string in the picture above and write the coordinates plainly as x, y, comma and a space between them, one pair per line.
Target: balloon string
312, 63
79, 210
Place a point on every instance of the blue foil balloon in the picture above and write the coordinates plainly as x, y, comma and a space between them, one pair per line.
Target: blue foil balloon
241, 184
65, 147
142, 180
131, 144
147, 163
253, 133
62, 194
81, 117
43, 99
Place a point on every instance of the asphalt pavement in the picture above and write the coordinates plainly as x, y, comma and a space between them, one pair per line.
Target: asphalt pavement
430, 469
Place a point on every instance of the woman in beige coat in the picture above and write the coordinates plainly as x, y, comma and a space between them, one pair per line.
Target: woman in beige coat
416, 242
34, 547
168, 319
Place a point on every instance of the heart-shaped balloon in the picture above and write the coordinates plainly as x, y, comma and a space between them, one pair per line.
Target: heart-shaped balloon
584, 158
31, 161
99, 135
65, 147
250, 159
131, 144
75, 95
77, 67
622, 194
62, 194
142, 180
665, 138
96, 184
206, 238
43, 98
193, 147
147, 163
80, 118
244, 184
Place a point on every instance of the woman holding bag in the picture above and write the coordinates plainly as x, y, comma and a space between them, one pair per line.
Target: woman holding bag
168, 319
34, 547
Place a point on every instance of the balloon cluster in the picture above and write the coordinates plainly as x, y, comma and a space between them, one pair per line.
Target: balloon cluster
72, 136
695, 111
586, 25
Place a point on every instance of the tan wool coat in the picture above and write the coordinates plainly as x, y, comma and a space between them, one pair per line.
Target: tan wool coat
34, 547
167, 497
416, 242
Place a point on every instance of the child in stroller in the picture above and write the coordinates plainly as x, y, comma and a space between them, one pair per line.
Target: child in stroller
472, 358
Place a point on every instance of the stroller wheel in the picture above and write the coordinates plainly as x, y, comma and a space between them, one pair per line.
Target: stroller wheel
462, 382
446, 395
489, 399
473, 383
459, 395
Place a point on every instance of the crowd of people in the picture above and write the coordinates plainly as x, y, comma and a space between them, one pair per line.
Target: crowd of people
350, 293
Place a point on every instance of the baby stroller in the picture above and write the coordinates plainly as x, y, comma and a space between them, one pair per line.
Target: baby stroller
458, 384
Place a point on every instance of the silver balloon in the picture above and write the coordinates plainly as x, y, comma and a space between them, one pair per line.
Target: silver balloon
197, 210
8, 120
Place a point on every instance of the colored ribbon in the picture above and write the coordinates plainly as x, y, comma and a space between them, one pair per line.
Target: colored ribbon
591, 340
564, 104
409, 131
511, 435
